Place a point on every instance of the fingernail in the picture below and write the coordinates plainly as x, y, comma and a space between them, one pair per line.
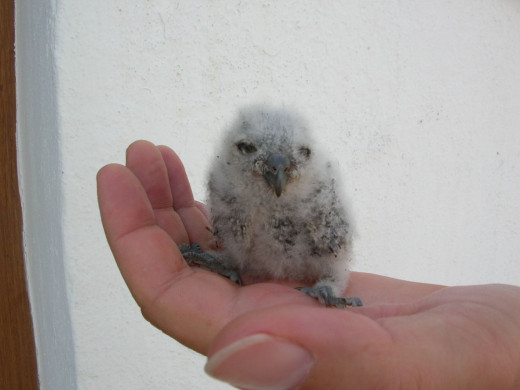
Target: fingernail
261, 362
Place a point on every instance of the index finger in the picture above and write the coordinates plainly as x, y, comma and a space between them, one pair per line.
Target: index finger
194, 219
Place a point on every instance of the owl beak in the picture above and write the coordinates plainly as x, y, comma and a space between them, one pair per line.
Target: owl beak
277, 174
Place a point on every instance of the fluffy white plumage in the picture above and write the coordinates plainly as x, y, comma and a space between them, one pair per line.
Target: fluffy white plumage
274, 204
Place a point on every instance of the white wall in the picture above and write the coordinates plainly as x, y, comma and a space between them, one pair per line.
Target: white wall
418, 101
40, 170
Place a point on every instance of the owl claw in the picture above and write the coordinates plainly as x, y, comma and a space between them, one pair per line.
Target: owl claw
194, 255
326, 297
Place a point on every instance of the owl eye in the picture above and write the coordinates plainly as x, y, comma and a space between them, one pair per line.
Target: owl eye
246, 148
305, 152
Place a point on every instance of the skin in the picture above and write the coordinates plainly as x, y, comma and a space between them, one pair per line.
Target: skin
408, 335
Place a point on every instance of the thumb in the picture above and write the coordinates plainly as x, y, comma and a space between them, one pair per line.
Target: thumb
301, 346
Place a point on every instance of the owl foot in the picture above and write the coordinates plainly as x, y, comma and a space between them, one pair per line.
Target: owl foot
325, 296
194, 255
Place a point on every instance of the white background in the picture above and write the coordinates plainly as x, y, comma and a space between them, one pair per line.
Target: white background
417, 101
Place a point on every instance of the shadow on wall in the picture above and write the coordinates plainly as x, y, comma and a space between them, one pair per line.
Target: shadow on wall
40, 183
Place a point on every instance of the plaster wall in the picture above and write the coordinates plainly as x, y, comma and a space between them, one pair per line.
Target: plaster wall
417, 101
40, 173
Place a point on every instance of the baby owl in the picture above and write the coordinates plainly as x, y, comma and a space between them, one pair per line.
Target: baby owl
275, 208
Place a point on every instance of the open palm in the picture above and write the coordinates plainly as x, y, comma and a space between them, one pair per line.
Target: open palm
408, 335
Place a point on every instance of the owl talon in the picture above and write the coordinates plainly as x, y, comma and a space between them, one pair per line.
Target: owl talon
325, 296
194, 255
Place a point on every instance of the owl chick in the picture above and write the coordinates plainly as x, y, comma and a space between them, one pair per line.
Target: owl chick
275, 209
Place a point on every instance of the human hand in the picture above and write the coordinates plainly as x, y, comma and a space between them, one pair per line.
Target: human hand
268, 335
